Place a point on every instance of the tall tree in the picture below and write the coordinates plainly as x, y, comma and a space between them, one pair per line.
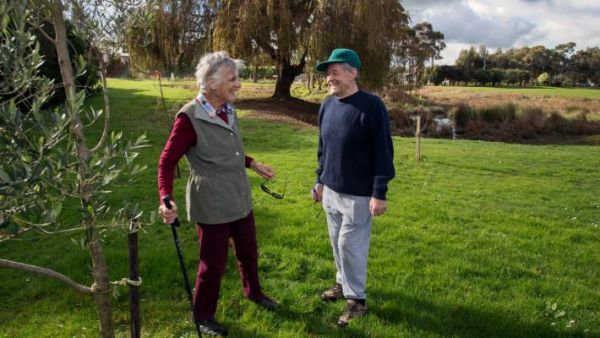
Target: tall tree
168, 35
484, 54
469, 60
587, 65
430, 42
296, 32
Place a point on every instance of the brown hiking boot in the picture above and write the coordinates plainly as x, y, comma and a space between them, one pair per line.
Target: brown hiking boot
354, 309
333, 293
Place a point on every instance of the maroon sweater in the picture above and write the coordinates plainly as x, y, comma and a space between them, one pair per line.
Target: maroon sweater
183, 136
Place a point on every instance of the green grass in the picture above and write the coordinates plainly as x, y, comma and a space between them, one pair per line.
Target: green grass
535, 91
481, 239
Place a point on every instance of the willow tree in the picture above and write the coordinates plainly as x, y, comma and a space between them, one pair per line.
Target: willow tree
297, 33
167, 34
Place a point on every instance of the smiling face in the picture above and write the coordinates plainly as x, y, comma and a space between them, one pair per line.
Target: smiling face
341, 80
225, 89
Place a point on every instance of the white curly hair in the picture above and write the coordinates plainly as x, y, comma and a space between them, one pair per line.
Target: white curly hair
208, 71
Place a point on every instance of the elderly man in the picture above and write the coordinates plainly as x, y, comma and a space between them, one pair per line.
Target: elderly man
355, 157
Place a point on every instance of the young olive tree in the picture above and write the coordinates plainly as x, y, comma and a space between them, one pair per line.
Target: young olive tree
46, 160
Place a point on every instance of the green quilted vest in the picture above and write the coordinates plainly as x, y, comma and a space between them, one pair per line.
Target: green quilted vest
218, 190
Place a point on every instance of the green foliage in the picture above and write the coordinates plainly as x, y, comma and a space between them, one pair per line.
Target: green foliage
295, 35
167, 35
435, 76
482, 76
80, 53
567, 66
28, 139
40, 168
496, 76
543, 79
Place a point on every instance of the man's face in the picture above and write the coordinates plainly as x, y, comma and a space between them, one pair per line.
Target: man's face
340, 80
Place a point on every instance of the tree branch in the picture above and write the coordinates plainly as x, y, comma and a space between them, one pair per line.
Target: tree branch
4, 263
106, 107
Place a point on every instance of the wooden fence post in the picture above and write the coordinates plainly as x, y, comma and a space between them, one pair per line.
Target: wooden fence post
134, 275
418, 139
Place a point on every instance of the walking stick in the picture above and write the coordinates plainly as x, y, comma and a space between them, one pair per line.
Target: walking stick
174, 225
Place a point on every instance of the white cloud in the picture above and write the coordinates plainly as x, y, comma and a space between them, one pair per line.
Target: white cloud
509, 23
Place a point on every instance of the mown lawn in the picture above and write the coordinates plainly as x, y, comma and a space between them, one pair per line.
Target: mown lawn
481, 240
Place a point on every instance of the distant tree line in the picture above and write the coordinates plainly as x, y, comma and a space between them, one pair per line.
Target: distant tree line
559, 66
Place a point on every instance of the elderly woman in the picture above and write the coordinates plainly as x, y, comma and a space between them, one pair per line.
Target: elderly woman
218, 197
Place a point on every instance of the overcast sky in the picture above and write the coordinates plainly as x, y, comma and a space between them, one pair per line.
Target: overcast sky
508, 23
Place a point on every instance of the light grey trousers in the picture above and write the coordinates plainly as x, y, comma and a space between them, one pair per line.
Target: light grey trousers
349, 222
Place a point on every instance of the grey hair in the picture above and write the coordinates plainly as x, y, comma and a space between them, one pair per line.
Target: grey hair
209, 68
349, 68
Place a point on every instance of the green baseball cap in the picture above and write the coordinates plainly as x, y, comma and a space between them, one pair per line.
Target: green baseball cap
340, 55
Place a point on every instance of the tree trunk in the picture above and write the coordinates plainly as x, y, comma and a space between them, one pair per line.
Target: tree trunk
101, 289
101, 286
286, 72
285, 78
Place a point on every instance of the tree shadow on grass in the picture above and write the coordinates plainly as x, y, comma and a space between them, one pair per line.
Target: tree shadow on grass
304, 111
459, 320
319, 322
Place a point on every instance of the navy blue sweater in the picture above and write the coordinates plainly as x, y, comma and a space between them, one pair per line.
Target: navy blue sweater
355, 145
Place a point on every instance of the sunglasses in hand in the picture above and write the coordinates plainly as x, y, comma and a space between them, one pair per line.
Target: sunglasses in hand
266, 189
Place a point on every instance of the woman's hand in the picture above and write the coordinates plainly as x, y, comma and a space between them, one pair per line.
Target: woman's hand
168, 215
263, 170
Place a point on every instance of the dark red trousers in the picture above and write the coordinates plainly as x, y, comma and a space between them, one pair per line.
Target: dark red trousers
214, 241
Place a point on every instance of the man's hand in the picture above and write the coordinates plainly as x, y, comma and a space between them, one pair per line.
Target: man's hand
317, 192
168, 215
377, 207
263, 170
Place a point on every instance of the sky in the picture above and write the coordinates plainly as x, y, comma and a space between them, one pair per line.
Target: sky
508, 23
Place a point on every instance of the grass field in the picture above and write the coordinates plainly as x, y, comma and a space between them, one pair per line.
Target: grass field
589, 93
481, 240
570, 102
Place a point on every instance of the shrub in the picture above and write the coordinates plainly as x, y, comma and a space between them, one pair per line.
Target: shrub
556, 123
460, 116
400, 122
543, 79
500, 113
530, 122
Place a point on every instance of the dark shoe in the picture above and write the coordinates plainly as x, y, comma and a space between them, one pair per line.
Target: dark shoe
333, 293
354, 309
212, 328
267, 303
